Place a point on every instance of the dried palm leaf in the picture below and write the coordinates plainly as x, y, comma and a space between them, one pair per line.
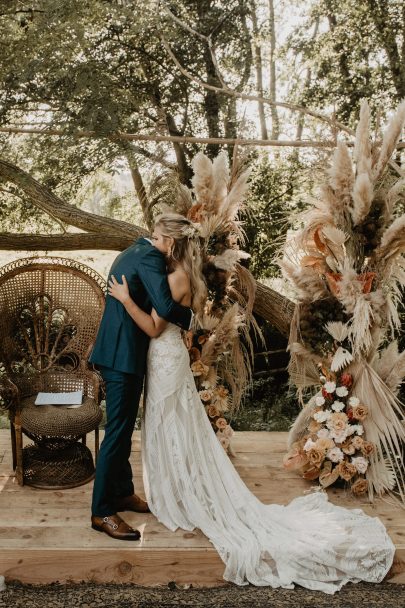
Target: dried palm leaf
338, 330
340, 359
383, 427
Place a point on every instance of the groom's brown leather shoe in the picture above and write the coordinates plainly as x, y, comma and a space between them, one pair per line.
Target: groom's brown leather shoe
114, 526
132, 503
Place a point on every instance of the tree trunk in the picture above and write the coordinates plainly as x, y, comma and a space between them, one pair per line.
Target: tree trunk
259, 73
275, 127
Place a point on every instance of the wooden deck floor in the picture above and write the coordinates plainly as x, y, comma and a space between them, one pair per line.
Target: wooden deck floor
45, 535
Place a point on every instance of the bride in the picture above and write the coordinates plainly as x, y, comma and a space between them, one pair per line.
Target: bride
191, 483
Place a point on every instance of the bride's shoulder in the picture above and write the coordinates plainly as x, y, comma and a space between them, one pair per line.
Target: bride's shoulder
179, 277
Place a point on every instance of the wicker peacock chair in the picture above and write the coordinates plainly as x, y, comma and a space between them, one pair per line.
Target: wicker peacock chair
50, 309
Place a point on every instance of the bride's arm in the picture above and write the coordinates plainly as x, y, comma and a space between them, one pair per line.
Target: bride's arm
152, 325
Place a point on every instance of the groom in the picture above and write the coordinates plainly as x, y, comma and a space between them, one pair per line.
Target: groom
120, 354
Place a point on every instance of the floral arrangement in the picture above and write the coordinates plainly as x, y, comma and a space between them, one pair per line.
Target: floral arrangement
221, 349
333, 447
347, 265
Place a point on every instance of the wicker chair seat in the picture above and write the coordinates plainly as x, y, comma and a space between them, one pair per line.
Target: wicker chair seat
59, 421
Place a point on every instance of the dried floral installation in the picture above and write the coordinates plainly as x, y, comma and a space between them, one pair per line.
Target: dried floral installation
347, 265
221, 353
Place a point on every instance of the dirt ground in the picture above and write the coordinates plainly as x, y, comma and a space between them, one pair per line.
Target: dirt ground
128, 596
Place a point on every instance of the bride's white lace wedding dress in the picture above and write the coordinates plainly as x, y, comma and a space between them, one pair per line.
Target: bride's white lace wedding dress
191, 483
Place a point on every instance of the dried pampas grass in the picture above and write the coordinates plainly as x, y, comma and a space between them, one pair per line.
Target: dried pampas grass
390, 140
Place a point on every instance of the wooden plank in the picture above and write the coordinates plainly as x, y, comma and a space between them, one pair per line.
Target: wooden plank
142, 566
34, 522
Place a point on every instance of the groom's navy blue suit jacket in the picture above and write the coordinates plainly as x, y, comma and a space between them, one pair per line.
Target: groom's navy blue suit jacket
120, 343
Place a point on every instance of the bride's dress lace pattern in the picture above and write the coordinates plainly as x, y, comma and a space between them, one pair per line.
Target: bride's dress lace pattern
191, 483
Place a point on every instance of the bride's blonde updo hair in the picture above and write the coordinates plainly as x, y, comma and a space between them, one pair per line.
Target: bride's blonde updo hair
187, 252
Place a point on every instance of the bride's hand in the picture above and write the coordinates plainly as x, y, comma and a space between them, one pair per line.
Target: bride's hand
119, 291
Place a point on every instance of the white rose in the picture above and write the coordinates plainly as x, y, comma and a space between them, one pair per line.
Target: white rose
322, 416
353, 401
339, 436
329, 387
342, 391
358, 428
309, 445
335, 454
338, 406
319, 400
323, 434
360, 463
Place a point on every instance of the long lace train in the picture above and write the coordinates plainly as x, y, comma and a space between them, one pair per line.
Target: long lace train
191, 483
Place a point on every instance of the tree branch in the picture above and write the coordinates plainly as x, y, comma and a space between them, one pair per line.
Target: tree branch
64, 242
57, 208
265, 100
305, 143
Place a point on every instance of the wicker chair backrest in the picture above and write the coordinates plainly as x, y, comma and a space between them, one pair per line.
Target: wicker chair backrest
50, 309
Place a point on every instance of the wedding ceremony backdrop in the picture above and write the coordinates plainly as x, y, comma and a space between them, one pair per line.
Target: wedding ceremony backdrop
278, 131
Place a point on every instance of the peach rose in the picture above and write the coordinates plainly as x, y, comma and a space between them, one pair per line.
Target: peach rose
222, 392
360, 412
367, 448
316, 457
212, 411
338, 421
221, 423
358, 442
199, 369
311, 473
314, 426
346, 470
205, 395
348, 448
360, 486
324, 444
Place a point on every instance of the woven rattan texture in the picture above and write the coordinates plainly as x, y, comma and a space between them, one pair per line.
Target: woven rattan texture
62, 469
60, 421
50, 309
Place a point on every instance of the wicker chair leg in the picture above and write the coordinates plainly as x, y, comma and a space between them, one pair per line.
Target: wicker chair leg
19, 452
13, 444
96, 442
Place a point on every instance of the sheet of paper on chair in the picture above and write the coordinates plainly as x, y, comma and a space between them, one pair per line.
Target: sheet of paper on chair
73, 398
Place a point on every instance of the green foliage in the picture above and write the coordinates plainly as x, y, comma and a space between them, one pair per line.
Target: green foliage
276, 192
